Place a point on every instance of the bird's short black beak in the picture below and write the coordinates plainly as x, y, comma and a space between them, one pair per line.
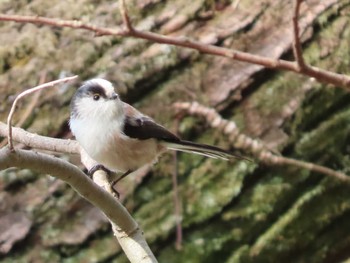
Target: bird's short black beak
114, 96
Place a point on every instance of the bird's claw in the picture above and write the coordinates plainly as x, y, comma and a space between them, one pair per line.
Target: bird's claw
96, 168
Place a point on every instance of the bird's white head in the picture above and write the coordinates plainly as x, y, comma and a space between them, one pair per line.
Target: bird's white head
96, 99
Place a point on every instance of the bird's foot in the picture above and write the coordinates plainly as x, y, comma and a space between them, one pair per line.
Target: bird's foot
114, 182
96, 168
121, 177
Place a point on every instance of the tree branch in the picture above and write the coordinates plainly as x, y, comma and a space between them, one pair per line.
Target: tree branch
29, 109
314, 72
125, 228
41, 142
125, 15
25, 93
298, 55
61, 23
258, 149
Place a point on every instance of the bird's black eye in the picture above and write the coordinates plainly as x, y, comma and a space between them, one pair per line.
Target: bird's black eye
96, 96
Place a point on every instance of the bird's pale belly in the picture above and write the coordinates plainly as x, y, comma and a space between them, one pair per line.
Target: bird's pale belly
126, 154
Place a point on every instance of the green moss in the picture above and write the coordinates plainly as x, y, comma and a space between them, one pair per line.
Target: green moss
52, 212
100, 250
328, 139
320, 201
240, 222
35, 254
204, 192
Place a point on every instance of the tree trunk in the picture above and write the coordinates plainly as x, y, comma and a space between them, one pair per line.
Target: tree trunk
231, 212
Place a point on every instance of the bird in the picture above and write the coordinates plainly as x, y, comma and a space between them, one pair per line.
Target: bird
120, 138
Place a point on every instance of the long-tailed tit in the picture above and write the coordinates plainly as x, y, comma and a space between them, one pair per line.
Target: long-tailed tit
121, 138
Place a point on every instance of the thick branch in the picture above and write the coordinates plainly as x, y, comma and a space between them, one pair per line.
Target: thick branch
69, 173
126, 229
40, 142
317, 73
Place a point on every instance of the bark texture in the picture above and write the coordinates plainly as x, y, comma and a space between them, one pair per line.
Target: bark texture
232, 212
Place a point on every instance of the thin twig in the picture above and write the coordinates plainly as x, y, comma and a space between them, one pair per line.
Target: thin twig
62, 23
32, 103
317, 73
125, 15
25, 93
280, 160
29, 109
297, 50
257, 148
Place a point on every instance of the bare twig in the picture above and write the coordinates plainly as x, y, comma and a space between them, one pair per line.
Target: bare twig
29, 109
258, 149
125, 15
25, 93
298, 55
33, 102
61, 23
317, 73
280, 160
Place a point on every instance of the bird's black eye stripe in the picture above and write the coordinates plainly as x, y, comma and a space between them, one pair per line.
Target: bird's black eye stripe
96, 92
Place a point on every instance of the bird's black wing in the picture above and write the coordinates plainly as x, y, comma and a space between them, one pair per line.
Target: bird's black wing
144, 128
139, 126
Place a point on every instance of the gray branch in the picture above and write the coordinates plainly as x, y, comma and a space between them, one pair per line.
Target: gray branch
124, 226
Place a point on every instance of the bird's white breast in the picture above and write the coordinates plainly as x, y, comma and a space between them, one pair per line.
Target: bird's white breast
94, 136
105, 143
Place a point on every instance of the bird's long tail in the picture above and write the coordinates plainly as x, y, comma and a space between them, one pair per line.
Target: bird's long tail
203, 149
